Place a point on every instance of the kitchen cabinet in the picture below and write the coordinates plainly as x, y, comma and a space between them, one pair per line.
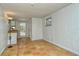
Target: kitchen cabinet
13, 37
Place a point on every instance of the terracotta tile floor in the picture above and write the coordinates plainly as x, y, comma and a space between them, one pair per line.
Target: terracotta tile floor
26, 47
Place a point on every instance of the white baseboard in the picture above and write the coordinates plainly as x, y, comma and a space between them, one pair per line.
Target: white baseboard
75, 53
37, 39
2, 50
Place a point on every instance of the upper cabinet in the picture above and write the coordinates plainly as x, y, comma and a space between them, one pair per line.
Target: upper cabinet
13, 23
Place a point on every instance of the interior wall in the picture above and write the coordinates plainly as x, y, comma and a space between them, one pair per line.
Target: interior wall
29, 25
64, 31
3, 32
37, 31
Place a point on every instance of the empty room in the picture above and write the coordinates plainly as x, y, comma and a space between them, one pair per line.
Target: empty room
39, 29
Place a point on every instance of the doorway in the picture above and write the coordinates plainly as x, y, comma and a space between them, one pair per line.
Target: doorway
22, 29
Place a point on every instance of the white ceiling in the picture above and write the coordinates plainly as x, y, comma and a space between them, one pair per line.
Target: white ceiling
32, 10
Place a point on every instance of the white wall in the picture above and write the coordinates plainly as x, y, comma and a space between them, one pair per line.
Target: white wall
47, 30
37, 31
29, 24
3, 32
64, 31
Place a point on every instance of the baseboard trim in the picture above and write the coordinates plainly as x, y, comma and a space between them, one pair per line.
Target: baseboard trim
37, 39
2, 51
61, 46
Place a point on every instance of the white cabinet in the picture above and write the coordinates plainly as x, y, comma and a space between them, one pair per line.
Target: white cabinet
13, 38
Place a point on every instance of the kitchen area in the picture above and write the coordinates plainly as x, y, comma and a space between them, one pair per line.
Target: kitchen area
12, 33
